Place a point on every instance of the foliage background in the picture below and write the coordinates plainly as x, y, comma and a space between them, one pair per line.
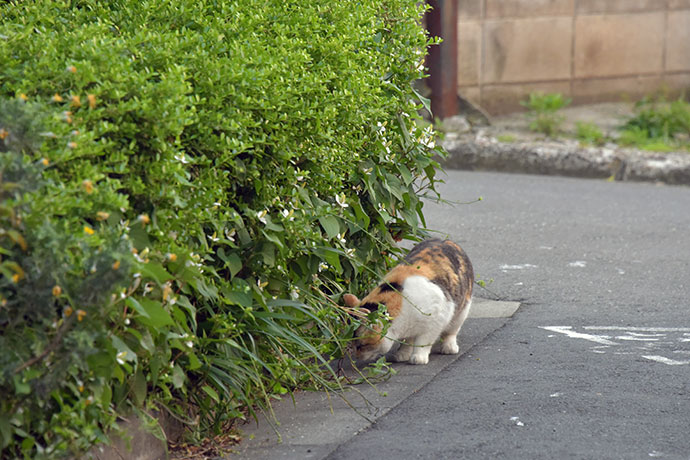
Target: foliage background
188, 187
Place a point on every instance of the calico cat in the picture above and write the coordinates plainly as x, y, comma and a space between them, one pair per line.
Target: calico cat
428, 296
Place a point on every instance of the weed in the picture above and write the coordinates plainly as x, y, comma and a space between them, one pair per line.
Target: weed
589, 133
506, 138
658, 125
543, 109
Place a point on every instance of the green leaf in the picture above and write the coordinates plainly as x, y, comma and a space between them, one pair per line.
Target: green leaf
232, 261
330, 226
156, 272
178, 376
268, 252
333, 258
426, 102
5, 432
151, 311
139, 387
362, 217
211, 392
20, 387
194, 362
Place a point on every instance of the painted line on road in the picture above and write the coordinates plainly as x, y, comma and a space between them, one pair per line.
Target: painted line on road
661, 359
567, 330
637, 329
647, 339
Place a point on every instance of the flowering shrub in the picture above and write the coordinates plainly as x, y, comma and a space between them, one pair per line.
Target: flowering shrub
188, 189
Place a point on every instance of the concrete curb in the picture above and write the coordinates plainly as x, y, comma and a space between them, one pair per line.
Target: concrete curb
566, 158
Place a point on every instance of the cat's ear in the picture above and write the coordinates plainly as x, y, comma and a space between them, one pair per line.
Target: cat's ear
350, 300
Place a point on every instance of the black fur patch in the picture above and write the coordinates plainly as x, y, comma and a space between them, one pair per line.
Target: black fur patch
392, 286
371, 306
453, 256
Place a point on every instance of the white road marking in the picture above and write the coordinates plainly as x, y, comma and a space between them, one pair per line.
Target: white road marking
567, 330
637, 329
661, 359
517, 267
650, 343
640, 339
578, 264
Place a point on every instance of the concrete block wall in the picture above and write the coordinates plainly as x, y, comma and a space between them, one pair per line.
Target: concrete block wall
590, 50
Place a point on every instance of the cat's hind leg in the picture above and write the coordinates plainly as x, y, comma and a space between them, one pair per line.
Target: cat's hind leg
449, 337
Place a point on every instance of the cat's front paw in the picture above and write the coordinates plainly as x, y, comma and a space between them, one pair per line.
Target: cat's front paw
419, 359
450, 348
402, 354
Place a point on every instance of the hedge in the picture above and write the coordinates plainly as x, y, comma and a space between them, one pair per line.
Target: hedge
188, 187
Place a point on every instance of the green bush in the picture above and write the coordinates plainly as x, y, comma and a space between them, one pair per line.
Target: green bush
543, 110
193, 186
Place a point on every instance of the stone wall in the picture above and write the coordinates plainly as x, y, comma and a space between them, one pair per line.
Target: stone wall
590, 50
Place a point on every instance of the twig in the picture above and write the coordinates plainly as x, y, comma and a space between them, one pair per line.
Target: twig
50, 348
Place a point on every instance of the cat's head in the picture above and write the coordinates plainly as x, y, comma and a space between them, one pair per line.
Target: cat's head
370, 341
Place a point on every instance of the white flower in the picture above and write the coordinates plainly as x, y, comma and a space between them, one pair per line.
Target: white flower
189, 343
427, 137
121, 357
213, 237
294, 294
288, 214
340, 199
350, 252
323, 266
230, 235
181, 158
341, 238
261, 215
300, 178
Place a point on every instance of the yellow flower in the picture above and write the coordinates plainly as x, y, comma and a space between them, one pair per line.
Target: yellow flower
57, 98
76, 101
45, 162
68, 311
80, 315
88, 230
16, 277
171, 257
71, 68
102, 215
3, 134
87, 184
116, 265
92, 100
144, 219
167, 290
57, 290
72, 145
23, 97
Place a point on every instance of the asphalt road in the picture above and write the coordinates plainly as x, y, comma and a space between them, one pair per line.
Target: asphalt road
596, 362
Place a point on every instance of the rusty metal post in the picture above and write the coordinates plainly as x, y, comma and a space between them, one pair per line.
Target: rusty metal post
442, 21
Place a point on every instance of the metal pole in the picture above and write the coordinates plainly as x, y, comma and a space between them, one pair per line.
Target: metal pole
442, 21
